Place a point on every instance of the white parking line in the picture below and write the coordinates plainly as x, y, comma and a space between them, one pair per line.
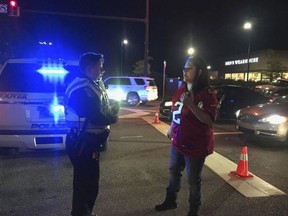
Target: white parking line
135, 114
131, 137
252, 187
226, 133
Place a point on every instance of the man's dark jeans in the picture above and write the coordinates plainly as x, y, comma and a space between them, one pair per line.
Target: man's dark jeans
194, 166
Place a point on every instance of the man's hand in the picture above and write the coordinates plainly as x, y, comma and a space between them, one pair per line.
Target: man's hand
187, 98
170, 132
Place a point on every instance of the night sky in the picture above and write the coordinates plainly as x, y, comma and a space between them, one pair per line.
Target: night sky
212, 27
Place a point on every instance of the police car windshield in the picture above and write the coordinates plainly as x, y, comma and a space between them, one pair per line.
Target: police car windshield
34, 78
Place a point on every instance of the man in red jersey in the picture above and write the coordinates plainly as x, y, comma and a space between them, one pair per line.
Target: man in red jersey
194, 110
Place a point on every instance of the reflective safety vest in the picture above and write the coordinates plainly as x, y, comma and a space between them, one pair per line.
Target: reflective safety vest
72, 118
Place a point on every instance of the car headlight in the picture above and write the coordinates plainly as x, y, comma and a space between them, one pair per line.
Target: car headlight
168, 103
237, 113
274, 119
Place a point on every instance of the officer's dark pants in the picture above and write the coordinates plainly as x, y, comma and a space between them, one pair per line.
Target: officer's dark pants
85, 186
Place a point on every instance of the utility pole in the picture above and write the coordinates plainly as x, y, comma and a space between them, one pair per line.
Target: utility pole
145, 21
146, 47
164, 79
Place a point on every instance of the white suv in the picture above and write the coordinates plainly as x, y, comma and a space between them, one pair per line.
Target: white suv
133, 90
31, 102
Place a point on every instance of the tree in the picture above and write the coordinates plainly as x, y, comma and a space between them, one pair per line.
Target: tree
274, 65
139, 67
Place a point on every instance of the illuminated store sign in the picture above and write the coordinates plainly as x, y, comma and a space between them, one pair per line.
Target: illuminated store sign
242, 61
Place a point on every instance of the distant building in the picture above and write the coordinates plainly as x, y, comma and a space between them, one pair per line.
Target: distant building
264, 65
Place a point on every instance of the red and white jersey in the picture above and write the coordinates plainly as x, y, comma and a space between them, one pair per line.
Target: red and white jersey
192, 137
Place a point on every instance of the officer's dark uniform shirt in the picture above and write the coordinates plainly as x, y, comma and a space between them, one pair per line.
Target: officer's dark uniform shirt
87, 99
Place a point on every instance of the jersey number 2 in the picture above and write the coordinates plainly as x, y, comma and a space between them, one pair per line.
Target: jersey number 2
176, 113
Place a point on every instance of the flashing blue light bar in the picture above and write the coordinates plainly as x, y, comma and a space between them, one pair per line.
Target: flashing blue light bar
45, 43
53, 72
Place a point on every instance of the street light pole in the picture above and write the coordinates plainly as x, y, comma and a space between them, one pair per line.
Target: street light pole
248, 26
146, 48
164, 79
248, 63
123, 43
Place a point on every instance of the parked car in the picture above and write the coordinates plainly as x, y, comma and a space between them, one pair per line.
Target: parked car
280, 83
278, 93
165, 107
133, 90
32, 110
270, 89
230, 97
280, 88
267, 121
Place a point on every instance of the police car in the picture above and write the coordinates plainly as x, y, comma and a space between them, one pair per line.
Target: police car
31, 102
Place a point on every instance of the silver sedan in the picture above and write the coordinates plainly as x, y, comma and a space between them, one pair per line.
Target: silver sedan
268, 121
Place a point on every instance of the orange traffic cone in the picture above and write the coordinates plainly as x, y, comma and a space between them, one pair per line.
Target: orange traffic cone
156, 118
242, 168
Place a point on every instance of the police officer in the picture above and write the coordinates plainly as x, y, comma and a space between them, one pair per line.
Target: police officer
88, 115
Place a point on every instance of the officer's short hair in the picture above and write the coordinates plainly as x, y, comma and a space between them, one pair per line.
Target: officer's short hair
90, 59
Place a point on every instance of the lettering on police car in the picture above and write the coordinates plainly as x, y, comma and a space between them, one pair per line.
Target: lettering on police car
48, 126
7, 95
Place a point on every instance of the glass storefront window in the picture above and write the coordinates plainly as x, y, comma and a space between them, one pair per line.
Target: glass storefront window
276, 76
237, 76
285, 75
258, 76
265, 77
255, 76
228, 76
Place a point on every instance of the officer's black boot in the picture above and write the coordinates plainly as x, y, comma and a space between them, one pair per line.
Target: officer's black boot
169, 203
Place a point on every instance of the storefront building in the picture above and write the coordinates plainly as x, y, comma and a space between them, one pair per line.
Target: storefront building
264, 65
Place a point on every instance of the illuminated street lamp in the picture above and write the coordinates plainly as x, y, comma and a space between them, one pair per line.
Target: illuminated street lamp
123, 43
164, 78
247, 27
191, 51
